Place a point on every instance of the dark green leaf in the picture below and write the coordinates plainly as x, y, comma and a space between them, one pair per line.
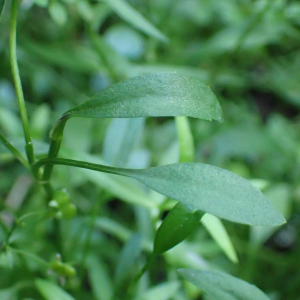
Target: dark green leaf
177, 225
2, 4
157, 95
222, 286
213, 190
129, 14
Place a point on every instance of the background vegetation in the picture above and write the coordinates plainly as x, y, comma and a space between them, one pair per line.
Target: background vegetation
246, 51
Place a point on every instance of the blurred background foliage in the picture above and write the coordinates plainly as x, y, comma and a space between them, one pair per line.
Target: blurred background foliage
247, 51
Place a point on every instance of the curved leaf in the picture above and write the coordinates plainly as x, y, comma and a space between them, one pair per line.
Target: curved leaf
130, 15
51, 291
176, 226
213, 190
222, 286
156, 95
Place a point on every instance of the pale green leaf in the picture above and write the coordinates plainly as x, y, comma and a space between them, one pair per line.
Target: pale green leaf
133, 17
157, 95
99, 279
163, 291
186, 141
127, 259
210, 189
222, 286
51, 291
217, 230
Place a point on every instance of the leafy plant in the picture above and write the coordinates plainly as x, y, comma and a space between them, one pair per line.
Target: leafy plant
73, 226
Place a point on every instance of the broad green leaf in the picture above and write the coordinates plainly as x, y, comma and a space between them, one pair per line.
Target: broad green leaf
127, 259
99, 279
163, 291
130, 15
217, 230
157, 95
210, 189
58, 13
2, 4
51, 291
185, 138
222, 286
176, 226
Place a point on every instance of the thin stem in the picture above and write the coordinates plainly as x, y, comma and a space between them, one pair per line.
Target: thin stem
15, 152
17, 81
81, 164
36, 258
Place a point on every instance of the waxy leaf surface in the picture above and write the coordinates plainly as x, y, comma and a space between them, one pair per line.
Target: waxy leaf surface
156, 95
222, 286
211, 189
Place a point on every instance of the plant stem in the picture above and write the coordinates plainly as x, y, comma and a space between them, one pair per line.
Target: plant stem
81, 164
15, 152
36, 258
17, 81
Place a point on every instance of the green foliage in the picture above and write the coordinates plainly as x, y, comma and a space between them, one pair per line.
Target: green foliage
68, 232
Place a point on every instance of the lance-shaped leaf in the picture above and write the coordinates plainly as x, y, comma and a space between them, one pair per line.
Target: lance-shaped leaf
176, 226
204, 187
2, 4
156, 95
219, 285
213, 190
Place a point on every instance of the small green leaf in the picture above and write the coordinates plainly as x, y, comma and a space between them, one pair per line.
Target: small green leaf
157, 95
130, 15
217, 230
176, 226
51, 291
2, 4
211, 189
222, 286
186, 140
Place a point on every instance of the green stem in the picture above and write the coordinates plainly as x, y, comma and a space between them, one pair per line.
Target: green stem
15, 152
81, 164
17, 81
56, 138
24, 253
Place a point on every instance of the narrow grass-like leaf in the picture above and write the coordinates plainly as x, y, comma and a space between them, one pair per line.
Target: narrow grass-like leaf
2, 5
128, 258
208, 188
222, 286
217, 230
130, 15
186, 141
176, 226
156, 95
51, 291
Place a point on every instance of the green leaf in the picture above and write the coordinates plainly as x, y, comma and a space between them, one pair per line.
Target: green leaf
99, 279
211, 189
130, 15
2, 4
51, 291
121, 139
217, 230
186, 140
176, 226
163, 291
157, 95
222, 286
127, 259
